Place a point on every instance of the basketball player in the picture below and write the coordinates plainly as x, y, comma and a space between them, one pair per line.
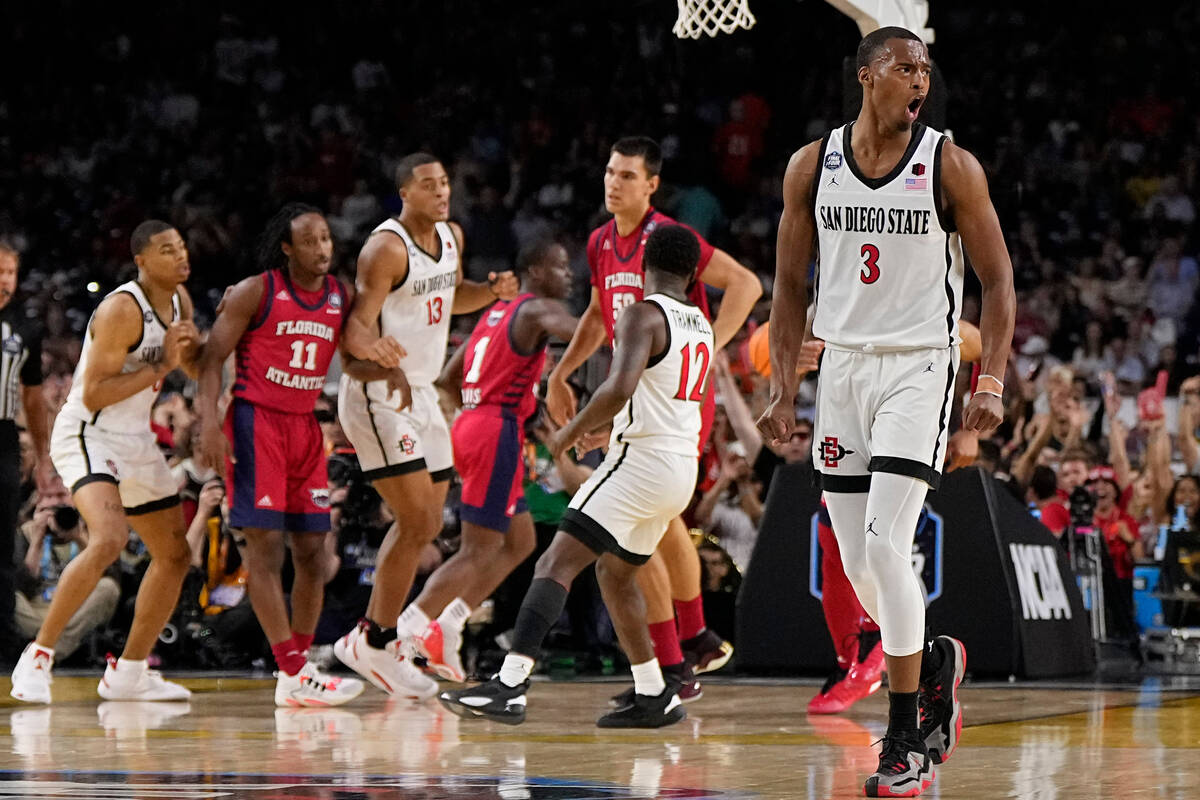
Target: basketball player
886, 200
615, 257
285, 324
652, 399
409, 284
498, 369
104, 451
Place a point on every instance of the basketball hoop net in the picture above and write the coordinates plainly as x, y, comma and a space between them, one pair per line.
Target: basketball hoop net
709, 17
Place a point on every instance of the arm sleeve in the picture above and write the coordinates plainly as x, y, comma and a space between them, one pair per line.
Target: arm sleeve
31, 370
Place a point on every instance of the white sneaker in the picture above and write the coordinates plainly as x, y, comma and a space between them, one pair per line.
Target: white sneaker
391, 669
440, 647
145, 685
312, 688
31, 677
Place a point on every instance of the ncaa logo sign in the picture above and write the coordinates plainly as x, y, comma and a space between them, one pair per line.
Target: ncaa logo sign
833, 160
926, 555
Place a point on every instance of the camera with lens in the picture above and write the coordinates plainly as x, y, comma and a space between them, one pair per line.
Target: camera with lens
1083, 507
66, 518
361, 507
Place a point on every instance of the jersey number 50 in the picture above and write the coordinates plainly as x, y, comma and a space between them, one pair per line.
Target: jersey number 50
702, 359
870, 257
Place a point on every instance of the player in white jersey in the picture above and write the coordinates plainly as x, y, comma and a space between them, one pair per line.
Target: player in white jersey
106, 455
409, 284
886, 201
652, 396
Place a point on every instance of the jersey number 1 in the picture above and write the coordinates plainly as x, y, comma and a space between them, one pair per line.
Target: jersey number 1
702, 359
870, 257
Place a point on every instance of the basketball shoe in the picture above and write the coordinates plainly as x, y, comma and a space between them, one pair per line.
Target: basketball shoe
706, 651
439, 646
645, 711
134, 683
678, 676
312, 688
905, 768
941, 711
863, 679
491, 700
31, 677
389, 668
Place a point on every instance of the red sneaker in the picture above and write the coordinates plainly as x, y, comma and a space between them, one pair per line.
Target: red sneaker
862, 680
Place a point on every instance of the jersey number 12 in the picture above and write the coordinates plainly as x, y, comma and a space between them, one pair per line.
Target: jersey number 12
702, 359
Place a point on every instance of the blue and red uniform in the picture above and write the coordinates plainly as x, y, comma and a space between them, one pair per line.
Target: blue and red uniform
489, 436
278, 478
617, 274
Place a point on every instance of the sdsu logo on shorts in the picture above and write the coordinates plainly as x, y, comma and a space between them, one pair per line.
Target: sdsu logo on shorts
926, 555
408, 444
832, 452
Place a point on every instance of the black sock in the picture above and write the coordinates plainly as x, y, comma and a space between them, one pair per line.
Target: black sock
541, 608
378, 636
902, 713
866, 643
931, 660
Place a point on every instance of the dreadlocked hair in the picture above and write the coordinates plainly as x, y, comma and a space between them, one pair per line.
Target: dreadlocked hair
278, 230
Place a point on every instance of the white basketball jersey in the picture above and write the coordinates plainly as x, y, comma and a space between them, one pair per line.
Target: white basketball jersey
417, 311
664, 411
890, 271
131, 415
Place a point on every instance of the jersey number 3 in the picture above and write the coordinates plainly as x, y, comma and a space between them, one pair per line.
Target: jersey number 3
702, 359
870, 257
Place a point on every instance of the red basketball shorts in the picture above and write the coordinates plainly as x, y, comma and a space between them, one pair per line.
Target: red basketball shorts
278, 479
488, 446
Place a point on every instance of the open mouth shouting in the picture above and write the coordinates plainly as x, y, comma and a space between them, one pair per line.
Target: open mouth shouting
914, 107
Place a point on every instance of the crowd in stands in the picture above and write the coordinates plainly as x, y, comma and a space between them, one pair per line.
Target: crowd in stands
1096, 184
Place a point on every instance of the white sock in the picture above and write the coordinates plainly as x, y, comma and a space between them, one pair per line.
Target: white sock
412, 622
516, 669
47, 650
648, 678
130, 667
454, 616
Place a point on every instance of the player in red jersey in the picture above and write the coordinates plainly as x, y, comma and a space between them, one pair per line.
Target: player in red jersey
285, 324
498, 369
615, 257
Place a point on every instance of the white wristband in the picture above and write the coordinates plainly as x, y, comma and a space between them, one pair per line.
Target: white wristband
999, 382
993, 394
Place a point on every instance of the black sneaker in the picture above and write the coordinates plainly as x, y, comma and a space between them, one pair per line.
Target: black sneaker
646, 712
492, 700
905, 769
941, 711
706, 651
679, 677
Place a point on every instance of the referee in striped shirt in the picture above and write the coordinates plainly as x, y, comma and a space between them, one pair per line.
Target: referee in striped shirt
20, 384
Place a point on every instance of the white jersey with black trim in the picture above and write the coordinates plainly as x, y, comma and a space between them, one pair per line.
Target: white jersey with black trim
664, 411
131, 415
417, 311
890, 265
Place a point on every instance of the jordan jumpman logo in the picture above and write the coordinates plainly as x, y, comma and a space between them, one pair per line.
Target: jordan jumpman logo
870, 526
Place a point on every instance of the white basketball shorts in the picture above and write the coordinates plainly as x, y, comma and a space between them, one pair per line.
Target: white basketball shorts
626, 504
882, 412
390, 442
83, 453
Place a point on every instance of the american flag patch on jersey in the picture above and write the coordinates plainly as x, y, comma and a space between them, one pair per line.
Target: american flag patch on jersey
915, 183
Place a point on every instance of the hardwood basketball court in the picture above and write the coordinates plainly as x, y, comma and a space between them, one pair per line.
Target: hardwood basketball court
742, 739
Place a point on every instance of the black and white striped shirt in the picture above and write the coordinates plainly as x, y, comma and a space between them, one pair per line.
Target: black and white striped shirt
20, 359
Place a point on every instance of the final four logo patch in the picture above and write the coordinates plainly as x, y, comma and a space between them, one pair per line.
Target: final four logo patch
833, 160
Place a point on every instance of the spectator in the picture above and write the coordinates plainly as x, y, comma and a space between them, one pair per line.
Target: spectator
731, 509
48, 542
1173, 281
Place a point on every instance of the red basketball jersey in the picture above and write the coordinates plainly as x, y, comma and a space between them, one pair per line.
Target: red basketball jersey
495, 373
283, 356
616, 264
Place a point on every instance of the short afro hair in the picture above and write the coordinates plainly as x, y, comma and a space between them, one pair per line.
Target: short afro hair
533, 254
404, 170
673, 249
873, 43
143, 233
642, 146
